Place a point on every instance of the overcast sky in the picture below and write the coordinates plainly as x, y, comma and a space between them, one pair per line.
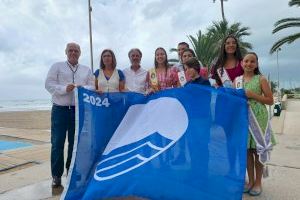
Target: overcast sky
33, 35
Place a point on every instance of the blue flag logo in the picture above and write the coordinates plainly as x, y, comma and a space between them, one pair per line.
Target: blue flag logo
122, 152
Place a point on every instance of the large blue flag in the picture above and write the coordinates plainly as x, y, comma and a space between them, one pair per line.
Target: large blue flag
187, 144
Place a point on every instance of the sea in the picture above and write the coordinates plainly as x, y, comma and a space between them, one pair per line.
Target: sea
25, 105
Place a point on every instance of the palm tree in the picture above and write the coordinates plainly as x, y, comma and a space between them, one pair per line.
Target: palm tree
273, 86
222, 8
203, 46
286, 23
219, 30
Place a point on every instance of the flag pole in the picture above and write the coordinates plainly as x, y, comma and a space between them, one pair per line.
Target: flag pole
91, 38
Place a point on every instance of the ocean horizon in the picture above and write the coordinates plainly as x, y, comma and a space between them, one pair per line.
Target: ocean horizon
25, 105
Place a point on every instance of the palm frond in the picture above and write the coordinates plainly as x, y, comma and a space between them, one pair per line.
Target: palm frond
173, 50
173, 60
219, 30
289, 39
294, 3
287, 25
290, 19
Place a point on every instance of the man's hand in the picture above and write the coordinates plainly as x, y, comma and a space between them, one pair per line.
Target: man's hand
70, 87
99, 91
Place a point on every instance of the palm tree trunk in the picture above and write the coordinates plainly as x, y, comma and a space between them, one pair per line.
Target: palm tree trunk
222, 10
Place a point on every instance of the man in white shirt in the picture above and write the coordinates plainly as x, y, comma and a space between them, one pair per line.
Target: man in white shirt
135, 76
180, 48
62, 79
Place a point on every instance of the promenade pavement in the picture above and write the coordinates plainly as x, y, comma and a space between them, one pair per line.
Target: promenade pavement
30, 180
283, 182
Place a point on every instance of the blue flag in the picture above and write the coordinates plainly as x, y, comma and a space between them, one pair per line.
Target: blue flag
186, 143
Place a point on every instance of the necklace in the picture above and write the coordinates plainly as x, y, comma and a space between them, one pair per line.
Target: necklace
73, 70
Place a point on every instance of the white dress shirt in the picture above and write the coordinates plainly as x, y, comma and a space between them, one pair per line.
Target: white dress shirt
60, 75
135, 81
178, 66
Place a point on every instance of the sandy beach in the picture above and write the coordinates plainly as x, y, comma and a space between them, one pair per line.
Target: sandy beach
26, 119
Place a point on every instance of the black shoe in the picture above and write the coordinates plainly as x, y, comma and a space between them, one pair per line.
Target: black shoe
56, 182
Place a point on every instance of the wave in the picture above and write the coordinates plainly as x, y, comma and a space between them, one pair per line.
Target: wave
24, 105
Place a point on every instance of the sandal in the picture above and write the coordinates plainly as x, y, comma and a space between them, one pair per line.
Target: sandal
247, 188
255, 192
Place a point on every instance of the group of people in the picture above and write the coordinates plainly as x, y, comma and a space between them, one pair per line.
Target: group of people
136, 79
230, 70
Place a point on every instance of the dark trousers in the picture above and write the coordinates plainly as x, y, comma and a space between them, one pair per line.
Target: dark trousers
62, 122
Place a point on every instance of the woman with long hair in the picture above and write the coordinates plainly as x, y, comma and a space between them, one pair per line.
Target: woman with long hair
162, 76
228, 65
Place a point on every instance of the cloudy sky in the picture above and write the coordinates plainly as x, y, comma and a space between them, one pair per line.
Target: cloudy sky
33, 34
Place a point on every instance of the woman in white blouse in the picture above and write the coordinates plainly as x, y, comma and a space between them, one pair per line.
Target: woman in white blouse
108, 78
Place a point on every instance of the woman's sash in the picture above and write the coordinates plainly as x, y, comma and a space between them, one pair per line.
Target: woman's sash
226, 81
153, 79
263, 141
181, 78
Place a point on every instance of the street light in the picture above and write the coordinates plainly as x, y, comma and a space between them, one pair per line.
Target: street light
278, 90
91, 40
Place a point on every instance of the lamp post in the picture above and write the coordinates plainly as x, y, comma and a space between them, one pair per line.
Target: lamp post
278, 90
91, 38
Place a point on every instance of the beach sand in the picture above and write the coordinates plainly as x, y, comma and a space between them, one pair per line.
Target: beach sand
26, 119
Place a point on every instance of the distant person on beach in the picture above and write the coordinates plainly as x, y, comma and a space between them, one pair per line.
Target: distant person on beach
62, 79
108, 78
135, 75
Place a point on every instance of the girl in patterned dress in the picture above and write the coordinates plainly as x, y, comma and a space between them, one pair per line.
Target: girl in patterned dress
259, 95
162, 76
